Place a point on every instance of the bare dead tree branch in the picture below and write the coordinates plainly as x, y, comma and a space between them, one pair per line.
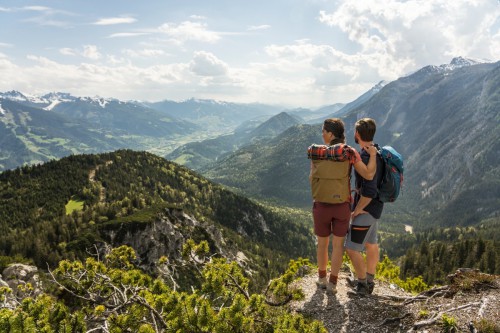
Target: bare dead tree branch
434, 319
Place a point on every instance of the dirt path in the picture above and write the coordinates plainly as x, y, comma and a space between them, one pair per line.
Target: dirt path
102, 189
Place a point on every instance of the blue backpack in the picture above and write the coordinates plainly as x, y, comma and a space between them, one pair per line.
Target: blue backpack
392, 176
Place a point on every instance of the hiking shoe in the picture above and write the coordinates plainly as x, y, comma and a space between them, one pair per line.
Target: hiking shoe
331, 288
371, 286
352, 282
361, 289
322, 282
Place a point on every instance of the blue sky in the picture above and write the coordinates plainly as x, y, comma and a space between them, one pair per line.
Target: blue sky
287, 52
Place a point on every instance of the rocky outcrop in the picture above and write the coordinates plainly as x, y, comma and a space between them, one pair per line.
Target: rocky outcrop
23, 281
166, 234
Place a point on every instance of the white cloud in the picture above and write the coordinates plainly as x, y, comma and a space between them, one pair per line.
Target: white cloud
88, 51
91, 52
188, 30
38, 8
115, 20
128, 34
120, 79
144, 53
46, 16
67, 51
116, 61
45, 10
403, 34
197, 17
495, 45
259, 27
207, 64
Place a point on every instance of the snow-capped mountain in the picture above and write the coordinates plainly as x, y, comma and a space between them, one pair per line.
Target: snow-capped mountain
17, 96
50, 100
61, 96
59, 124
455, 63
462, 62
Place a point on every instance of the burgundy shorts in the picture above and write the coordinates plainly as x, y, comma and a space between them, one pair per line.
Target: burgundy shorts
331, 219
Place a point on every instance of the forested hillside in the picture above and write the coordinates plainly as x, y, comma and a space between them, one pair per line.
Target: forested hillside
276, 170
56, 210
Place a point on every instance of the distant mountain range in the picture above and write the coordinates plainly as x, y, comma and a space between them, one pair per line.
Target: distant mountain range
39, 128
443, 119
213, 115
106, 115
197, 155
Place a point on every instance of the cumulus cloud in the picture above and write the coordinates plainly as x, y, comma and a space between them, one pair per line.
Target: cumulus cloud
207, 64
87, 51
91, 52
188, 30
202, 75
415, 32
115, 20
120, 80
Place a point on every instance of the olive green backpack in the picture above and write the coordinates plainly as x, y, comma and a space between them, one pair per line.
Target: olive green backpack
330, 181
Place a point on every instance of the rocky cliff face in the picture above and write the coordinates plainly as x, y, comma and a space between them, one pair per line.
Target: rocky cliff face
166, 235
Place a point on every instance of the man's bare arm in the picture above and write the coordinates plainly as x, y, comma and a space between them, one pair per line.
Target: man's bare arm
368, 171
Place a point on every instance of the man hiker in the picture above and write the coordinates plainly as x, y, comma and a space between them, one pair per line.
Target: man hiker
366, 212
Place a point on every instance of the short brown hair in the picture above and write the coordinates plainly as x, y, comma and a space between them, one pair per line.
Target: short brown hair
366, 129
